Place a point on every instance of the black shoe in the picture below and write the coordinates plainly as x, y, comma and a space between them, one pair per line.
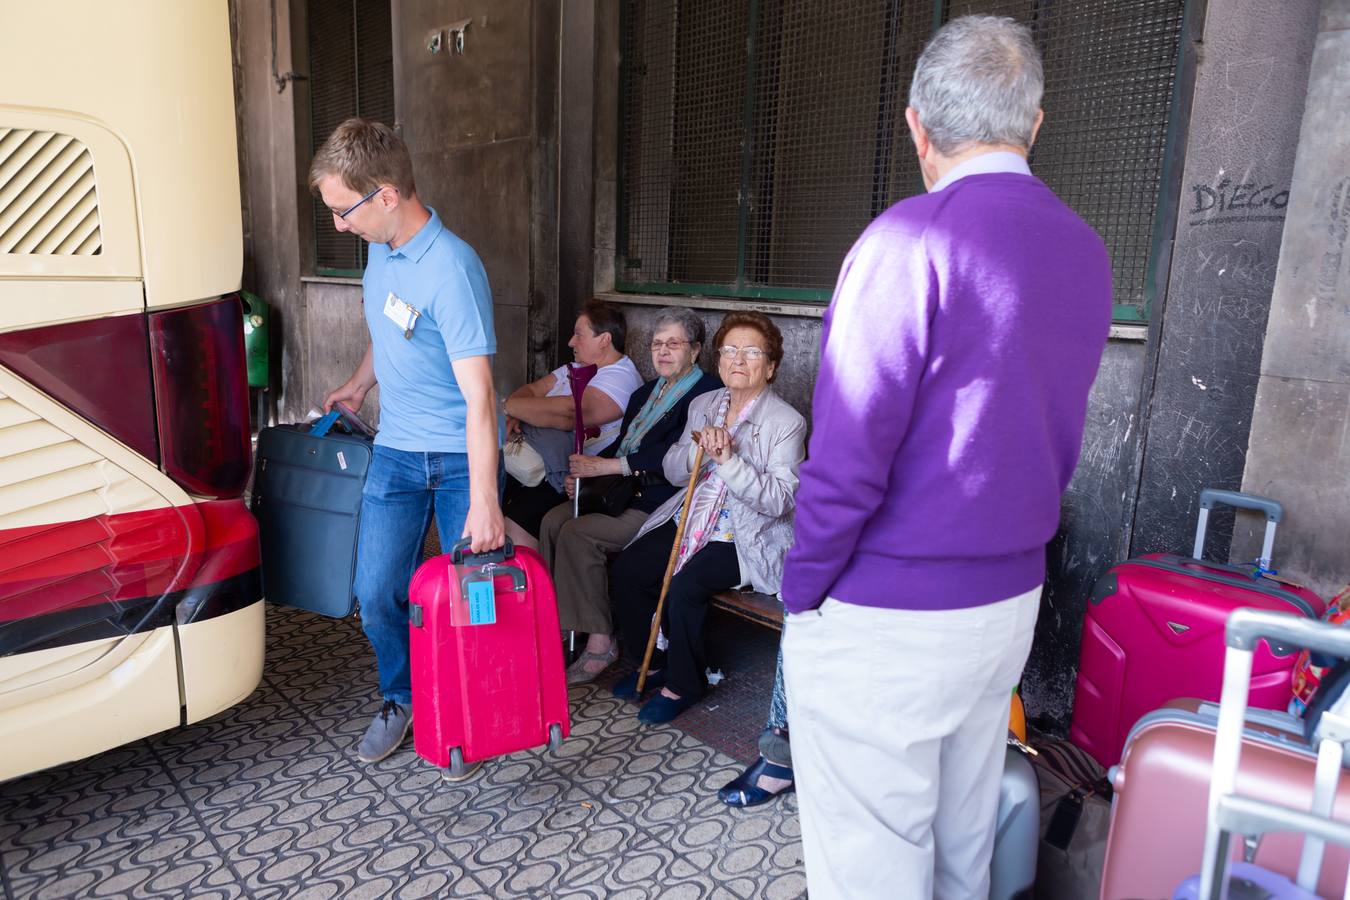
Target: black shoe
626, 688
661, 709
745, 790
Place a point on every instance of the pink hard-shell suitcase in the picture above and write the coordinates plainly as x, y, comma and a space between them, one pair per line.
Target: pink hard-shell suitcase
487, 663
1158, 813
1154, 632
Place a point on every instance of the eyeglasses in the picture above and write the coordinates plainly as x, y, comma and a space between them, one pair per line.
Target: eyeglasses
351, 209
673, 344
749, 354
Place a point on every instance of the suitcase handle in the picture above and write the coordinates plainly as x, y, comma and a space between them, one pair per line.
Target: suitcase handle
460, 555
1211, 497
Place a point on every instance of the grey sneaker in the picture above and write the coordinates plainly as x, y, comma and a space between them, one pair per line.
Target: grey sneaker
386, 732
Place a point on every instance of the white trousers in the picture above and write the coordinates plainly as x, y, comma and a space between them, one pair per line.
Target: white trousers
899, 720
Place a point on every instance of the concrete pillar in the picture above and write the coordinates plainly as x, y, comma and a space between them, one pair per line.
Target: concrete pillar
271, 171
1299, 450
1208, 334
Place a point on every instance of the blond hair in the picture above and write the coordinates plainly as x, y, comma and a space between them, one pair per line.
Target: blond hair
364, 155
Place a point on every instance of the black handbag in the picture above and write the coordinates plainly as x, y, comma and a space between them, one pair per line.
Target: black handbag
607, 495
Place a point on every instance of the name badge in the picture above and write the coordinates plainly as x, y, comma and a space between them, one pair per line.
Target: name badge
401, 314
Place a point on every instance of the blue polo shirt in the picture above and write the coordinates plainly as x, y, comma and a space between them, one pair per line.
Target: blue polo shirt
439, 275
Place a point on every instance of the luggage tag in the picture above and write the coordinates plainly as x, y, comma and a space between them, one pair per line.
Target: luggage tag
480, 597
322, 426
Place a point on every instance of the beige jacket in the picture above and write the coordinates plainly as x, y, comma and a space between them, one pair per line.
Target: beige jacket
761, 483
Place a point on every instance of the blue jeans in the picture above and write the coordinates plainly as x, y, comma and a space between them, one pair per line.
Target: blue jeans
402, 491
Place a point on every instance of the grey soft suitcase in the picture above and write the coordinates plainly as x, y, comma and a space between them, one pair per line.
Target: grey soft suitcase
1012, 872
307, 499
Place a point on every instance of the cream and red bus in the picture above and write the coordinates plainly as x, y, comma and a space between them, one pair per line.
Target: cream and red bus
130, 596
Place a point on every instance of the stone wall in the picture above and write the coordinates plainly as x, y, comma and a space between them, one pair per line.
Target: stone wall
1299, 450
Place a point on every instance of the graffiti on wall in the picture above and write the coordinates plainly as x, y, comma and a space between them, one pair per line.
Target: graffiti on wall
1230, 200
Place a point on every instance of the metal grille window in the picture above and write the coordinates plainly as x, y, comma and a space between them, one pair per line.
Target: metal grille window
351, 58
759, 137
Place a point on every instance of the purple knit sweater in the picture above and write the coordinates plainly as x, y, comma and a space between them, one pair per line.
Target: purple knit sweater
957, 355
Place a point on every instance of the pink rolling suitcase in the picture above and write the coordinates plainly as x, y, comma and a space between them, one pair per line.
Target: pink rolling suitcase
1154, 632
1196, 775
487, 665
1162, 785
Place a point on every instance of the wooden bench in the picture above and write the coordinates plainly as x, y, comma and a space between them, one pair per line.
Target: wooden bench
762, 609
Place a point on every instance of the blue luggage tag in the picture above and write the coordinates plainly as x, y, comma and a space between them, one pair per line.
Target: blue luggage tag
482, 599
320, 427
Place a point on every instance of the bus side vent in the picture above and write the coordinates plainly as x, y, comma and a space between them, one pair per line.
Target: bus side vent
48, 197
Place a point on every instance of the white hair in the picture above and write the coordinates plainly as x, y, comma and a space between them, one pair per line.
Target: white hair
687, 319
979, 81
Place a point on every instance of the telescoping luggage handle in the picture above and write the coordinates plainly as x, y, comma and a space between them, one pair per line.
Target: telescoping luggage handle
490, 561
489, 565
1211, 497
1230, 813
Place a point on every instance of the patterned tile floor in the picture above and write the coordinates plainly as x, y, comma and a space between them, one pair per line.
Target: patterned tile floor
267, 801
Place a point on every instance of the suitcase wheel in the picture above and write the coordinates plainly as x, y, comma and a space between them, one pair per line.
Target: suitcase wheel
555, 738
456, 770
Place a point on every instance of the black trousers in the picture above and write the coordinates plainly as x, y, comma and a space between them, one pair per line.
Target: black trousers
527, 506
636, 586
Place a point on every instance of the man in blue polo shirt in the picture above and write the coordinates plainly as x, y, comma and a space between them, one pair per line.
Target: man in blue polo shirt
429, 313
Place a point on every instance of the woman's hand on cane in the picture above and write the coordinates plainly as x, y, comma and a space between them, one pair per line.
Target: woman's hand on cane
716, 443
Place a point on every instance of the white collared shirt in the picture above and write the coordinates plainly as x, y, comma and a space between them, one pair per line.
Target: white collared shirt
993, 162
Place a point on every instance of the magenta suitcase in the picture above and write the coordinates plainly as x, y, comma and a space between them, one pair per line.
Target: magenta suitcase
1154, 632
486, 650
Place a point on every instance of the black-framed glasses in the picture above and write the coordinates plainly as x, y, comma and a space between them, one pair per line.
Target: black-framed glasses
351, 209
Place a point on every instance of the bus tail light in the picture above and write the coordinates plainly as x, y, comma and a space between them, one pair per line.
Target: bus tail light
201, 396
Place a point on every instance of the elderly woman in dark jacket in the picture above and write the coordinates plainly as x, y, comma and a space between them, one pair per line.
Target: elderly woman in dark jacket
577, 550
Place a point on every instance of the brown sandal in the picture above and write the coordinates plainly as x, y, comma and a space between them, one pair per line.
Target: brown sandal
577, 673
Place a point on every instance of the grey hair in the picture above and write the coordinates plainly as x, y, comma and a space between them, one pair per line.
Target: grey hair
694, 330
979, 81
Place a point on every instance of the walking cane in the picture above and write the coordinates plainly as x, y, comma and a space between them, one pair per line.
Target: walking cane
670, 567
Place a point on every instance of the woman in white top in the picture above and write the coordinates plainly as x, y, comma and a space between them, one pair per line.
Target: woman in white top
597, 338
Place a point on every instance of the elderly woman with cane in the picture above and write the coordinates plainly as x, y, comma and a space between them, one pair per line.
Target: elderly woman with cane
628, 485
730, 528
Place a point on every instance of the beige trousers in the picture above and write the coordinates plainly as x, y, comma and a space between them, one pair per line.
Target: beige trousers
899, 720
577, 551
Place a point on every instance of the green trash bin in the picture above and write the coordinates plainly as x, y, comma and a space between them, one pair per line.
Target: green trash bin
257, 322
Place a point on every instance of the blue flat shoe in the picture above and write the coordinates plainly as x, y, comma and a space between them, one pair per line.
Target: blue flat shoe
745, 790
626, 687
661, 709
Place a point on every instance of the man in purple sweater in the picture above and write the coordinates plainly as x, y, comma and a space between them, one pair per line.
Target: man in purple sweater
958, 352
